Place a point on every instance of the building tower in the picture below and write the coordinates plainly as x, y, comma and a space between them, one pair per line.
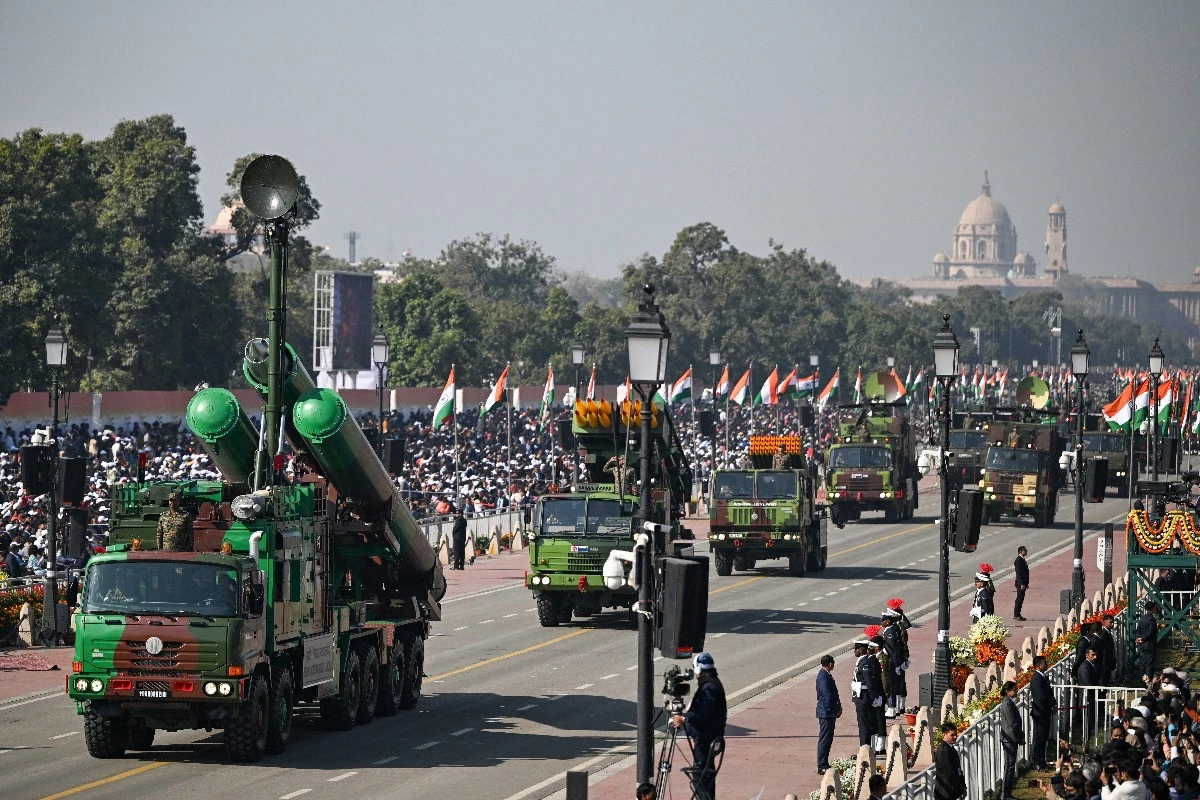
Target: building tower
1056, 243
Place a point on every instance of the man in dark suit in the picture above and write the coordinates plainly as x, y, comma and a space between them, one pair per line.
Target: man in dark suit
1012, 734
1147, 640
829, 708
1041, 710
949, 781
1108, 650
458, 538
1020, 581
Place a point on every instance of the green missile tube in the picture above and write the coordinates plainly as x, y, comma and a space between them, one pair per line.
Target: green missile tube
296, 380
347, 459
229, 438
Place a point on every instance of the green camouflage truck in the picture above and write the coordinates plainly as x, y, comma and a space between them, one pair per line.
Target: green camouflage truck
1021, 476
968, 448
1113, 447
767, 513
572, 533
872, 465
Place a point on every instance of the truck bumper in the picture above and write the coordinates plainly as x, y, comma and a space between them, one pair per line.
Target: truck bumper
171, 702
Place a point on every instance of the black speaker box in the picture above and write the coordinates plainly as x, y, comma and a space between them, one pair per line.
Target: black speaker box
1095, 479
1168, 453
806, 416
72, 480
393, 456
683, 611
37, 468
708, 426
970, 517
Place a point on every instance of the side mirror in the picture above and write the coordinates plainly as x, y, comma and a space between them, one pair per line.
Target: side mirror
256, 599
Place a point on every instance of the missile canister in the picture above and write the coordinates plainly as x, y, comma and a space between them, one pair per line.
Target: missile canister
229, 438
342, 451
296, 380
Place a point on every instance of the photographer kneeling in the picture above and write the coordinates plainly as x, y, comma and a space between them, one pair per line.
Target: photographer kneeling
704, 723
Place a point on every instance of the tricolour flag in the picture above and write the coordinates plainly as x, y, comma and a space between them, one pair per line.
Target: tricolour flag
591, 392
787, 386
741, 390
806, 387
624, 391
900, 383
682, 390
547, 397
497, 396
768, 395
444, 409
1120, 412
830, 390
857, 386
722, 385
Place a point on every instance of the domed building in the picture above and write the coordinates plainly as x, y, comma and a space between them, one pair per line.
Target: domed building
985, 243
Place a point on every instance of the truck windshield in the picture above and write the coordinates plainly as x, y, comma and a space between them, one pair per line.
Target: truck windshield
774, 485
161, 587
867, 457
1105, 442
734, 485
1013, 459
966, 440
563, 515
604, 516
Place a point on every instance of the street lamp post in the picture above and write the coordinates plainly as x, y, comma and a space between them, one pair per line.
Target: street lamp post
945, 364
714, 361
1156, 368
379, 354
1079, 370
578, 354
56, 359
648, 340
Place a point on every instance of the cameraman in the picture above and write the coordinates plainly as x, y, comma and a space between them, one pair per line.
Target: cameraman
705, 723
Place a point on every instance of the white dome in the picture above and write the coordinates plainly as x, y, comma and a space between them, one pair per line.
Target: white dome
985, 210
942, 258
1057, 209
1022, 258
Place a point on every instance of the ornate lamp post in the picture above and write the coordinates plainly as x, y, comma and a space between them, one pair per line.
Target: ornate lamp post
714, 361
648, 340
1079, 370
56, 359
1156, 368
578, 354
379, 354
945, 365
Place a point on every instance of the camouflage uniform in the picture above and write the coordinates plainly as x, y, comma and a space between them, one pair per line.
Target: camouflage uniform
780, 460
175, 531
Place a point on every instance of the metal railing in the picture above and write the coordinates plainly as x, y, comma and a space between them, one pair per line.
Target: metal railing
437, 530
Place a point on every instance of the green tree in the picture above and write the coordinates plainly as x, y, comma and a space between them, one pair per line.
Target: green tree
248, 226
430, 327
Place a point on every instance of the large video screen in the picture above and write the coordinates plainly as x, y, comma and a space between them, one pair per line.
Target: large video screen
353, 304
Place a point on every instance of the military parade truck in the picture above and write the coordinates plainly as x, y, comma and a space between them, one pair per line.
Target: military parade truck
767, 513
572, 533
312, 588
968, 448
1113, 447
1021, 476
872, 465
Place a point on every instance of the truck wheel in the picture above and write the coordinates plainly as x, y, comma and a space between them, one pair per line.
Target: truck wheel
391, 681
339, 712
890, 515
723, 561
1039, 518
741, 563
141, 735
547, 610
279, 722
565, 606
814, 558
246, 736
370, 684
414, 662
107, 737
824, 558
797, 565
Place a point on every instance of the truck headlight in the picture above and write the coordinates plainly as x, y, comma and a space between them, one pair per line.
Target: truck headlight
225, 689
97, 685
1032, 491
81, 684
210, 688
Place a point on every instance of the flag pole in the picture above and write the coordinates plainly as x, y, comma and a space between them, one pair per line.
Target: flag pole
454, 424
726, 425
508, 407
1132, 451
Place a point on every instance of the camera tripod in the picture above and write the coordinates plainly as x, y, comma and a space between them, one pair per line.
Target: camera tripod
696, 773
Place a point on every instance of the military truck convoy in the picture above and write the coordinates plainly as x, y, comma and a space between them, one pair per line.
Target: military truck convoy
768, 512
1021, 475
872, 465
968, 448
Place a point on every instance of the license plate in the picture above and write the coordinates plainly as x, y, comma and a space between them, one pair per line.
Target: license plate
158, 694
736, 535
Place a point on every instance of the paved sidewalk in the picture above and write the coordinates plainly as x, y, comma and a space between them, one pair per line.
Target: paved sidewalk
771, 740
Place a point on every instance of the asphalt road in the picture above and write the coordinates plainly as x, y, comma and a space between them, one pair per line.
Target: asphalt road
509, 705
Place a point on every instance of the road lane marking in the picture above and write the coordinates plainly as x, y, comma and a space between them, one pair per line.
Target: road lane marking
426, 746
296, 793
581, 688
64, 735
555, 697
381, 761
860, 583
341, 777
506, 616
715, 636
735, 585
773, 614
464, 730
737, 627
507, 656
798, 605
610, 675
105, 781
874, 542
463, 628
631, 669
526, 708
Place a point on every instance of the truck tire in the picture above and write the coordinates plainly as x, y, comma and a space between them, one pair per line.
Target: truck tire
339, 712
723, 561
547, 610
369, 658
414, 662
246, 736
106, 737
1039, 518
282, 706
814, 556
824, 558
741, 563
141, 735
391, 681
566, 605
797, 565
891, 515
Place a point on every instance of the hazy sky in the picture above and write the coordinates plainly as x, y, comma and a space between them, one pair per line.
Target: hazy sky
856, 130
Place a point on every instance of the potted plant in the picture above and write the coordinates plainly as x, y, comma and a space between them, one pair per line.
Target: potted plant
506, 541
962, 662
482, 542
988, 637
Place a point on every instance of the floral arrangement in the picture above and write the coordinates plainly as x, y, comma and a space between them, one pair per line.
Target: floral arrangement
10, 606
845, 770
989, 629
962, 652
506, 540
482, 542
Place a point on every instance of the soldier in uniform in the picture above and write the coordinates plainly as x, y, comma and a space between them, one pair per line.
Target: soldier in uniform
878, 649
175, 526
621, 472
780, 460
894, 640
867, 691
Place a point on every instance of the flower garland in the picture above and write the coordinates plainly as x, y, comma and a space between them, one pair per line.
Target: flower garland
1158, 539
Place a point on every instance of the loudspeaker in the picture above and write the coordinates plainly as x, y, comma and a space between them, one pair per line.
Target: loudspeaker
72, 480
683, 611
1095, 479
1168, 454
708, 427
806, 417
393, 456
968, 520
76, 532
925, 691
37, 466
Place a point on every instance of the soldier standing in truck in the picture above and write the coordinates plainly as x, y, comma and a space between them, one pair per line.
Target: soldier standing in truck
175, 526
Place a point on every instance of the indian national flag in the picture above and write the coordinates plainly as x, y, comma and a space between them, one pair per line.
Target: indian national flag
444, 409
787, 386
830, 390
900, 383
722, 385
742, 390
497, 396
591, 390
547, 397
624, 391
858, 386
768, 395
682, 390
806, 387
1119, 413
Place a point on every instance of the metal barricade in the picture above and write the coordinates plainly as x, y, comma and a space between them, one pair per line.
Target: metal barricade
1086, 713
437, 529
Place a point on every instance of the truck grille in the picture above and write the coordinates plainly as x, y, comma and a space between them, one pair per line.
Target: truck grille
177, 659
576, 562
872, 484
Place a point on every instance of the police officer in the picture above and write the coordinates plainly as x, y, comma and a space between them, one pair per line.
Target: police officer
867, 691
175, 526
897, 650
458, 539
983, 603
705, 724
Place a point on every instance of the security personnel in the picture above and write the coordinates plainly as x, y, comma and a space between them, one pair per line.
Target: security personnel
458, 539
175, 526
897, 649
780, 460
705, 724
867, 691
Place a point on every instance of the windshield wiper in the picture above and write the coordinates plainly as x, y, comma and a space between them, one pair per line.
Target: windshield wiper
197, 614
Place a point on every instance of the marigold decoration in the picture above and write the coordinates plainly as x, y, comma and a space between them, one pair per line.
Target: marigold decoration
1150, 538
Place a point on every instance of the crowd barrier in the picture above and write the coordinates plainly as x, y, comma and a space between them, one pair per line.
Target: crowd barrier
493, 526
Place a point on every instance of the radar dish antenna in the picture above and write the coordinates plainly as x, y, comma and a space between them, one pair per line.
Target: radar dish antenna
270, 187
1033, 391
